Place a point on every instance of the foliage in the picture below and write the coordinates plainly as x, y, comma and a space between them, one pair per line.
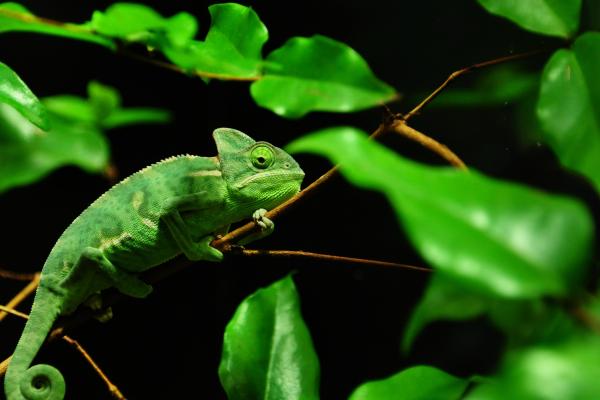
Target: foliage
503, 250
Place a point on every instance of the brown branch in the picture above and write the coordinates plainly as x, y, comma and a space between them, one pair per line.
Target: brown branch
22, 295
466, 70
329, 257
400, 127
16, 276
112, 388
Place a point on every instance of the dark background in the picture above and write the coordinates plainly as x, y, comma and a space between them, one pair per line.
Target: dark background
168, 345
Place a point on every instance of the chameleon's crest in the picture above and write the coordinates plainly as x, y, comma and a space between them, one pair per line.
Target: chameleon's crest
231, 140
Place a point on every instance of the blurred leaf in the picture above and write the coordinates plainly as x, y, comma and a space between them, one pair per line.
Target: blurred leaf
232, 46
102, 108
267, 350
567, 370
416, 383
548, 17
443, 300
103, 99
318, 74
500, 86
139, 23
569, 106
136, 115
498, 238
14, 92
28, 153
16, 18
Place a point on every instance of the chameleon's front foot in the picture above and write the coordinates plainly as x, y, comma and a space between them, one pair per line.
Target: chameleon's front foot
194, 251
265, 224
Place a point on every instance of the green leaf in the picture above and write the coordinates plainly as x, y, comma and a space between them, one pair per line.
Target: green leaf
14, 92
267, 350
318, 74
495, 237
28, 153
16, 18
139, 23
569, 106
443, 300
548, 17
567, 370
416, 383
232, 47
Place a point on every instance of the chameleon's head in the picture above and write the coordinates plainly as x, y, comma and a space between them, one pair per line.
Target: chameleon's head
256, 172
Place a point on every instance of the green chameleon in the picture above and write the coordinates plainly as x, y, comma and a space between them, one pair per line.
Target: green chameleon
175, 206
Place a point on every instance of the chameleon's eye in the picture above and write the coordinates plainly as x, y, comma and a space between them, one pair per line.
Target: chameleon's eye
262, 156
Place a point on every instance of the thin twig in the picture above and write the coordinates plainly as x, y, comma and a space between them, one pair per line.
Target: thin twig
466, 70
16, 276
16, 313
22, 295
112, 388
400, 127
329, 257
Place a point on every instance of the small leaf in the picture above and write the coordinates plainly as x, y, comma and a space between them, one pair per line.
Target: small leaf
267, 350
443, 300
136, 115
569, 106
416, 383
564, 370
137, 22
495, 237
318, 74
232, 47
14, 92
548, 17
28, 154
103, 99
16, 18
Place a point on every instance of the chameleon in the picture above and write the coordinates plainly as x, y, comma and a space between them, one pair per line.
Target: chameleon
178, 205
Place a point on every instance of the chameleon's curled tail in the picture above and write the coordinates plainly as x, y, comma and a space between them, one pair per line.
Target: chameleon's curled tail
39, 382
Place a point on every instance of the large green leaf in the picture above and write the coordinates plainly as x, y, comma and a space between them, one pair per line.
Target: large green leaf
567, 370
14, 92
548, 17
569, 106
318, 74
15, 17
496, 237
28, 153
416, 383
267, 349
232, 48
137, 22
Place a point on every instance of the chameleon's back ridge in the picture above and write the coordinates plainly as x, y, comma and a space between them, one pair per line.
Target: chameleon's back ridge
172, 207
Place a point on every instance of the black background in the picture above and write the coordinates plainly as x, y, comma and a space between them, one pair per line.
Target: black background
168, 345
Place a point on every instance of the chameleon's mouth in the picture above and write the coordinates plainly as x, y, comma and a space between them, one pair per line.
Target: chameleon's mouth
278, 175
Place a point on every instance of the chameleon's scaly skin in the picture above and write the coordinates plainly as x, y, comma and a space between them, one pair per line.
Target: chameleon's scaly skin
171, 207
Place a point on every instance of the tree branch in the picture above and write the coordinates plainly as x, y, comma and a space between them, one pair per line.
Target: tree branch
22, 295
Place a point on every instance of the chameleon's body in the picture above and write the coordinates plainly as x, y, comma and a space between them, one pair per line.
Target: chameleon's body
171, 207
